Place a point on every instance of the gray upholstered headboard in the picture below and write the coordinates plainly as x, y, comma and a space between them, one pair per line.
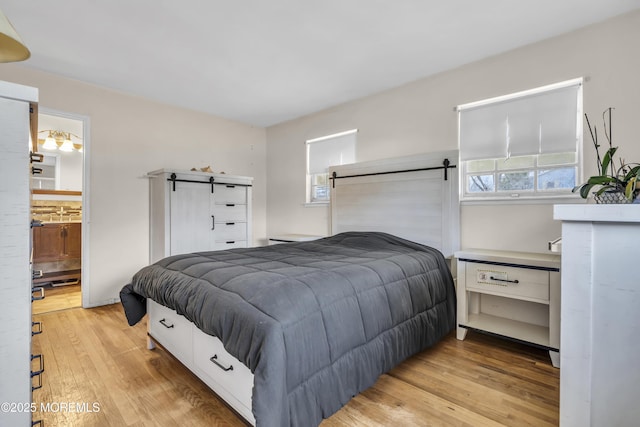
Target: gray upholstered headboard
405, 196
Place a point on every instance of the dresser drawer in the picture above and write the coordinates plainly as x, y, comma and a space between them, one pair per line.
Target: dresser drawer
231, 244
229, 212
515, 282
170, 330
230, 193
222, 372
231, 231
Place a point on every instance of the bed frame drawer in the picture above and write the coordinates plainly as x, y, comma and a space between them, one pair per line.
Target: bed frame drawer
522, 283
170, 330
227, 376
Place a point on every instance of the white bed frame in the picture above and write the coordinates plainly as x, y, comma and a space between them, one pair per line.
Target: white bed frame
405, 196
393, 197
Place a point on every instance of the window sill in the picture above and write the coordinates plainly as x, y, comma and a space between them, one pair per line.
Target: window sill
523, 200
316, 204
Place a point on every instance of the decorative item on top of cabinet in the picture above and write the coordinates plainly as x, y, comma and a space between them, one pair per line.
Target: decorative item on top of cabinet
616, 184
193, 211
510, 294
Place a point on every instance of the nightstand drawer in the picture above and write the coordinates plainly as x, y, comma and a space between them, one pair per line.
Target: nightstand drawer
515, 282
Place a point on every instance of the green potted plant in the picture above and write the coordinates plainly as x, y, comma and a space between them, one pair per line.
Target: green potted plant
615, 183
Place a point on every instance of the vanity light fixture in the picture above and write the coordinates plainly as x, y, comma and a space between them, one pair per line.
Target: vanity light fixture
11, 46
60, 140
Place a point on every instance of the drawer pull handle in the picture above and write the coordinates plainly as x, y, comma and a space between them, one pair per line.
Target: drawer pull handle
40, 359
163, 322
38, 373
38, 297
38, 376
230, 223
38, 330
214, 359
36, 157
503, 280
230, 205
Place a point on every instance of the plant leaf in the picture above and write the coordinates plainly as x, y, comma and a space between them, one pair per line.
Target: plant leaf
607, 158
631, 188
584, 190
634, 171
600, 180
606, 188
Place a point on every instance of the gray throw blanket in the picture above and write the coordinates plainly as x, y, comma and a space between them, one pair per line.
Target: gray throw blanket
316, 322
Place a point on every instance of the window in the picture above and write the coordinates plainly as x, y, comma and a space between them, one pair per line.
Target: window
330, 150
523, 145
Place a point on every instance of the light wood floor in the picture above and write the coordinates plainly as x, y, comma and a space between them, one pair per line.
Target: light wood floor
93, 357
58, 298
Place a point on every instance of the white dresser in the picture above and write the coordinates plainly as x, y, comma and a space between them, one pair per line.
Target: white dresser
511, 294
15, 271
600, 375
198, 211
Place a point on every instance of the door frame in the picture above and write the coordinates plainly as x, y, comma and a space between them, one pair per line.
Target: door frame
86, 205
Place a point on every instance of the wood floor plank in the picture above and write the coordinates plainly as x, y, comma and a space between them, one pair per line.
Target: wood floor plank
392, 401
93, 356
58, 298
494, 384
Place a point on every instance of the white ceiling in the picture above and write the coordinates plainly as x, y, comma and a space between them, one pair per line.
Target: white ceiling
263, 62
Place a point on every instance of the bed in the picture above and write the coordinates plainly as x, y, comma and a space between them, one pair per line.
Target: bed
301, 328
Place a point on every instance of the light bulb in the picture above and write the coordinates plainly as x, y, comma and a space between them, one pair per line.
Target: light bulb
67, 145
50, 142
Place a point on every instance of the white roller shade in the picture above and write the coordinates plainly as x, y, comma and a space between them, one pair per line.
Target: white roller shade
331, 151
541, 121
483, 133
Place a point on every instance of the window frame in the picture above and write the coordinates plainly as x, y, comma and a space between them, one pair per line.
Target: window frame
313, 178
512, 195
534, 195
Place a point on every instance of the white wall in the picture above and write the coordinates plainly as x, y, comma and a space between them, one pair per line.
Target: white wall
129, 137
419, 117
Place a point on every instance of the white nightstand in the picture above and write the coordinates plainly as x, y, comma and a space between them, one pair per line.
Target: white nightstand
510, 294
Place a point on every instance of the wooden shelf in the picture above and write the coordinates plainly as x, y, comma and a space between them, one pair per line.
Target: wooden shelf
510, 328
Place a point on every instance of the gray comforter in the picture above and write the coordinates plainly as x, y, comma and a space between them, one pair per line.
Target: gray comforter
316, 322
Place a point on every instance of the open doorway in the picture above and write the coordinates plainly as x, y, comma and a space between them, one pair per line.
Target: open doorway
58, 202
